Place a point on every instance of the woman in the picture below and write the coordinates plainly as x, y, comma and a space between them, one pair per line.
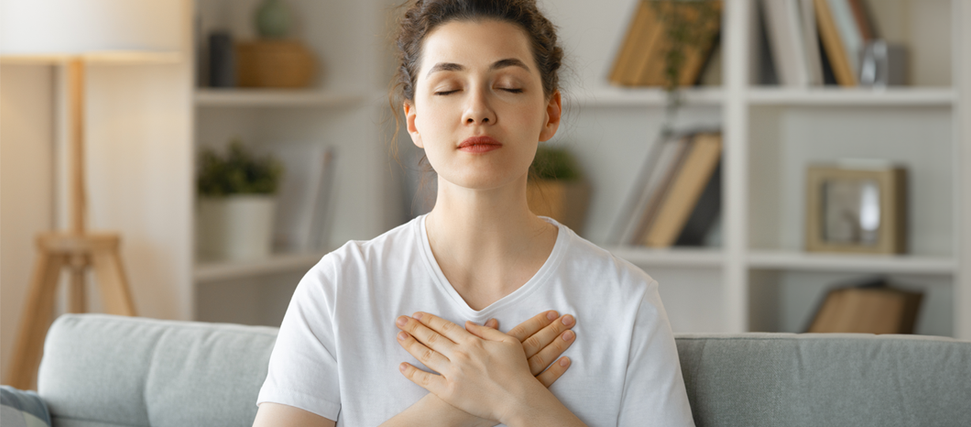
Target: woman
388, 331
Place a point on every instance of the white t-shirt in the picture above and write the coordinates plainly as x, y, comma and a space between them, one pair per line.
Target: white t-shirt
337, 356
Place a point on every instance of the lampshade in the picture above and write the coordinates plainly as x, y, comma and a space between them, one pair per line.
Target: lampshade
95, 30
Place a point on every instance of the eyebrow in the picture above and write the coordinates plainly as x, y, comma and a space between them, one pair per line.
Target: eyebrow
502, 63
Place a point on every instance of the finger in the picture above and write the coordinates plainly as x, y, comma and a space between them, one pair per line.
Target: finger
432, 359
447, 329
549, 376
547, 335
533, 325
492, 323
425, 335
488, 333
539, 361
431, 382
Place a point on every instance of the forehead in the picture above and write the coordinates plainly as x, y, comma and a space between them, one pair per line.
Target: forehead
475, 43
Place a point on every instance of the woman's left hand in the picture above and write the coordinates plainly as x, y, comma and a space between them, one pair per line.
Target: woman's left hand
480, 370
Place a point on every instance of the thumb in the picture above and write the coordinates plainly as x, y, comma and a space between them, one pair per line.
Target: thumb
487, 333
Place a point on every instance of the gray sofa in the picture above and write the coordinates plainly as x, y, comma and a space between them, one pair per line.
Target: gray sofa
109, 371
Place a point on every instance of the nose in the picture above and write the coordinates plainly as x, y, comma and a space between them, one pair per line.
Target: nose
478, 111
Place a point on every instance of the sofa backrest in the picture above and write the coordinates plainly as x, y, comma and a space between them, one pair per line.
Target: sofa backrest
777, 379
110, 371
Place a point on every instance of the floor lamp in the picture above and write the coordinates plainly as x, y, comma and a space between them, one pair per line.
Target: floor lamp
74, 33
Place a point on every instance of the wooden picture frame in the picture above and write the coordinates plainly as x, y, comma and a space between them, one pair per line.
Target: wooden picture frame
856, 210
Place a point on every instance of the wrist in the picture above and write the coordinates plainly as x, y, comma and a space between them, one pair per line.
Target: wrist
447, 414
531, 400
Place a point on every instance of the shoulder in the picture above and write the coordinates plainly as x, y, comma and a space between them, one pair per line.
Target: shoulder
393, 243
586, 259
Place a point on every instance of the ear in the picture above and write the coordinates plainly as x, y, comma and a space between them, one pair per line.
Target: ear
410, 115
554, 110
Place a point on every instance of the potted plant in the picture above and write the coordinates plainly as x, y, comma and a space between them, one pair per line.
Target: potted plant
236, 203
557, 187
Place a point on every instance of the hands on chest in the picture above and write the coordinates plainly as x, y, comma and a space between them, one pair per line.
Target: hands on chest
490, 375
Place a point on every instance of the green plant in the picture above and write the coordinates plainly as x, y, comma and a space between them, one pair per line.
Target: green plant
239, 172
554, 163
688, 25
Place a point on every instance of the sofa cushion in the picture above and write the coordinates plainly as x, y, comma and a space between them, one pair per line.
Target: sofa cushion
774, 379
102, 370
19, 408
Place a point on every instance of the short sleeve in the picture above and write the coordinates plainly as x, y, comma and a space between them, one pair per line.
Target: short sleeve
303, 369
654, 391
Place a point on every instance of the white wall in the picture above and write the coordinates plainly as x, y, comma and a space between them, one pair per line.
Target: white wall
26, 184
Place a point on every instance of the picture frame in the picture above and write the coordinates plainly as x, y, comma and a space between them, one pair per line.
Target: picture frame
856, 210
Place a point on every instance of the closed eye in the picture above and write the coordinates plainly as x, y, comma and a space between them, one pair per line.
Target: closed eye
513, 90
446, 92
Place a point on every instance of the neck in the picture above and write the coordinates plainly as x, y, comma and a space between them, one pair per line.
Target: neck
487, 242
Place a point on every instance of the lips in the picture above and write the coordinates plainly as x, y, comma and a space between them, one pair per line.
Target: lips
479, 144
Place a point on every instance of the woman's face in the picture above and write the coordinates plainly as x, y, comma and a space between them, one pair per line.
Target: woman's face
479, 109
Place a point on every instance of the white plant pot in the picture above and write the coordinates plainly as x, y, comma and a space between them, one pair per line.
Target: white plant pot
235, 228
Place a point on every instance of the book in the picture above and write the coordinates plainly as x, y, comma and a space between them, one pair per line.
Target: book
705, 213
784, 27
835, 49
642, 58
873, 307
684, 192
636, 49
694, 52
810, 38
303, 197
849, 32
321, 216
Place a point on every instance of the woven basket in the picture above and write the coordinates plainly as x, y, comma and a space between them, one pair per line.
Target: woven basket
274, 64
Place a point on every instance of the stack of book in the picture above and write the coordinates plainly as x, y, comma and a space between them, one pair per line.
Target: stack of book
677, 195
643, 56
814, 42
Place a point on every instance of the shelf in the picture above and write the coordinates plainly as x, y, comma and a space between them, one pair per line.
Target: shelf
901, 264
893, 97
274, 98
670, 257
282, 263
640, 97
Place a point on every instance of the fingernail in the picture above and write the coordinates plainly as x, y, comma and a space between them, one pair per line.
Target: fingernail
568, 320
563, 362
568, 335
402, 367
402, 336
417, 316
402, 320
491, 323
552, 315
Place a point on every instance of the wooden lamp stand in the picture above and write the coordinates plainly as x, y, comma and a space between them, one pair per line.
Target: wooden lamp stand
77, 250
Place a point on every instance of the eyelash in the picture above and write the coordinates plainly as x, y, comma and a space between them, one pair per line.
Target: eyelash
449, 92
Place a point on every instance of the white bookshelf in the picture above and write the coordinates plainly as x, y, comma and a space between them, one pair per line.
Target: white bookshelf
763, 278
275, 98
760, 278
206, 272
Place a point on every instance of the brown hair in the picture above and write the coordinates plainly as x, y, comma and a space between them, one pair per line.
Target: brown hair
424, 16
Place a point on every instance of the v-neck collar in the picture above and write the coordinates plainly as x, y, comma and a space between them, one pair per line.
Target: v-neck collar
535, 282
